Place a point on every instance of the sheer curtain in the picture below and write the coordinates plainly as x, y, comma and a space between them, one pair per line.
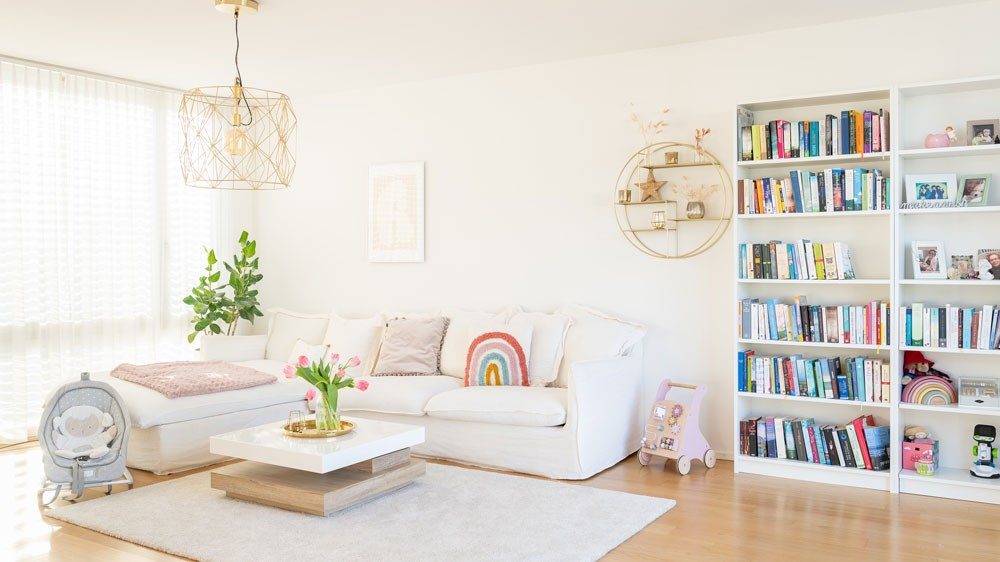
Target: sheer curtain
99, 238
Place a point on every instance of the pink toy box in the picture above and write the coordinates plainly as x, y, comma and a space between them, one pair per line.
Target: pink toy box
914, 450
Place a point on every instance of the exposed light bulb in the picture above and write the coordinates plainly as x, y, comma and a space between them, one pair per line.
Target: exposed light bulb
237, 143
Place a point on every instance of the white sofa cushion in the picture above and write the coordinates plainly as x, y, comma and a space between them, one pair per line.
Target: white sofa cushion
355, 337
313, 352
232, 348
286, 327
456, 340
508, 405
397, 395
548, 339
595, 335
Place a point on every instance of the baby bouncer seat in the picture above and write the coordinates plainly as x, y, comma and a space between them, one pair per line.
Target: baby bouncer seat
83, 435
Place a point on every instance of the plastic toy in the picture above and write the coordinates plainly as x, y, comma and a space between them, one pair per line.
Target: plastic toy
985, 465
923, 384
672, 431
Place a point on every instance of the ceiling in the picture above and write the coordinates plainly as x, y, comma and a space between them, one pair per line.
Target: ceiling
299, 45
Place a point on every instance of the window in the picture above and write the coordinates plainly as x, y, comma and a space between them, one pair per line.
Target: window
99, 237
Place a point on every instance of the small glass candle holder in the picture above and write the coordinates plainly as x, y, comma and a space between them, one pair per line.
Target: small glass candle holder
624, 195
295, 424
658, 220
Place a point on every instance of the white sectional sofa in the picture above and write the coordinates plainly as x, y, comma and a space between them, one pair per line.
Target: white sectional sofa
584, 421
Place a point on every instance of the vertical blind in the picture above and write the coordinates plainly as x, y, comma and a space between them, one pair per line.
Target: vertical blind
99, 237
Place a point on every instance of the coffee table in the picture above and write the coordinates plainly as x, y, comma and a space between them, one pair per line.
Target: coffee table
317, 476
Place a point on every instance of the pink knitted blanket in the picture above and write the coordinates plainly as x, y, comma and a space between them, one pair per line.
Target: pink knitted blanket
189, 378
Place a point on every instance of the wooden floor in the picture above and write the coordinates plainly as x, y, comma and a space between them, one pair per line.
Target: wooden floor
718, 516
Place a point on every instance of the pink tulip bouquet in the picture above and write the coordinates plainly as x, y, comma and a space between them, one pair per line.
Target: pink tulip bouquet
327, 377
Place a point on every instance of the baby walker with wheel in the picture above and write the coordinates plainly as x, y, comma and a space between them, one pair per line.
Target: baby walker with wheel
672, 430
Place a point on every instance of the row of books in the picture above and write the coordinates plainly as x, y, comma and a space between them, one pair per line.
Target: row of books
854, 132
830, 190
855, 378
774, 321
858, 444
803, 259
951, 326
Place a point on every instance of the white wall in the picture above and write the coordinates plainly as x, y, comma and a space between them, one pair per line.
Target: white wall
520, 168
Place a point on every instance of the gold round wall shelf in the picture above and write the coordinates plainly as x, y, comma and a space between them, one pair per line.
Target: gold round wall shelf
679, 227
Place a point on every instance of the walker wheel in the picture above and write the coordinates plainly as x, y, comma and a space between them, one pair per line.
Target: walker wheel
644, 458
709, 458
684, 465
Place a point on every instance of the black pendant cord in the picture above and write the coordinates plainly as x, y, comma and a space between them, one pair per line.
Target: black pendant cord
239, 77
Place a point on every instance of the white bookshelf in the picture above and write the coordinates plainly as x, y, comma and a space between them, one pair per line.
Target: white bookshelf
879, 242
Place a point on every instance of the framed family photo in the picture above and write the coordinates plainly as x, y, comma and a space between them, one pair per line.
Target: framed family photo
929, 260
931, 188
963, 267
974, 190
988, 264
980, 132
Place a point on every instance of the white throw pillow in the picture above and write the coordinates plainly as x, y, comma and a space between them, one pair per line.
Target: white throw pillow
286, 327
232, 348
485, 339
457, 338
355, 336
548, 339
595, 335
313, 352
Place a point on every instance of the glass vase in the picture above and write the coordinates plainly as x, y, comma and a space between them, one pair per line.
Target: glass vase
327, 414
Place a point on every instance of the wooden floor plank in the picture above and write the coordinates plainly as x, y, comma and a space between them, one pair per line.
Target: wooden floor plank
719, 516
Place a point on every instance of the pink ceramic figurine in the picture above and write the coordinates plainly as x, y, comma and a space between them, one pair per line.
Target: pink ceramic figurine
940, 140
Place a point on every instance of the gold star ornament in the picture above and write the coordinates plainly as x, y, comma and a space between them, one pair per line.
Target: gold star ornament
650, 188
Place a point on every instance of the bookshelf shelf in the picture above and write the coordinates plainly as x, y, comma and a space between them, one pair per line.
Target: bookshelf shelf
816, 160
821, 345
948, 282
828, 215
951, 210
951, 409
959, 351
950, 482
950, 152
817, 282
827, 474
855, 403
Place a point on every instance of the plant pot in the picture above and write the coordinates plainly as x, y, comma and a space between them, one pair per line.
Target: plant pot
327, 412
695, 210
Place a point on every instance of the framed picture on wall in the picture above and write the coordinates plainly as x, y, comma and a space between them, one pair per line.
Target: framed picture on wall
929, 260
396, 212
931, 189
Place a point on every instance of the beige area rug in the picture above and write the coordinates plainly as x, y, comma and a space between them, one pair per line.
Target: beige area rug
448, 514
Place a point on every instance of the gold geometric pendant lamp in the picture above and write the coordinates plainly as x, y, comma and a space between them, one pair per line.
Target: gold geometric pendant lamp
235, 137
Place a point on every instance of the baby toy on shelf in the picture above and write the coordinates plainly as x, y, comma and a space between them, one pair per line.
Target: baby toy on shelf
672, 430
985, 465
923, 384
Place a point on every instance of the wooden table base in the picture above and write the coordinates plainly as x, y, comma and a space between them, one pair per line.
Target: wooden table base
317, 494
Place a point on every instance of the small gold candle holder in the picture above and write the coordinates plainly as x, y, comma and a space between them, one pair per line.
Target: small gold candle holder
658, 220
624, 196
671, 158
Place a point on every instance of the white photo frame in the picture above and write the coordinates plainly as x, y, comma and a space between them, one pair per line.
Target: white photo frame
929, 260
931, 188
396, 212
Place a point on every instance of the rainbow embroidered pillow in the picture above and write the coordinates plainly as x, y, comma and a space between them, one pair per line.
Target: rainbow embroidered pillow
498, 356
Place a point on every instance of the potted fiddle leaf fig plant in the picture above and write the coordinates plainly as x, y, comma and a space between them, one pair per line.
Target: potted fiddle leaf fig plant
219, 306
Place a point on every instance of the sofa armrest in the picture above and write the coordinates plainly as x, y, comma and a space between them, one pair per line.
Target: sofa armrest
233, 348
605, 398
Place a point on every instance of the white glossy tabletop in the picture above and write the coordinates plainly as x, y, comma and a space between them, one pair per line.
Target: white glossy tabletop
268, 444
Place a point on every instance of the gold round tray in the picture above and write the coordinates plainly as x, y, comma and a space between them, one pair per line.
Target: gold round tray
309, 430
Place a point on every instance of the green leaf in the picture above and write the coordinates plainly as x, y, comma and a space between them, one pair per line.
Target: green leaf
192, 336
243, 237
215, 276
211, 257
215, 329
